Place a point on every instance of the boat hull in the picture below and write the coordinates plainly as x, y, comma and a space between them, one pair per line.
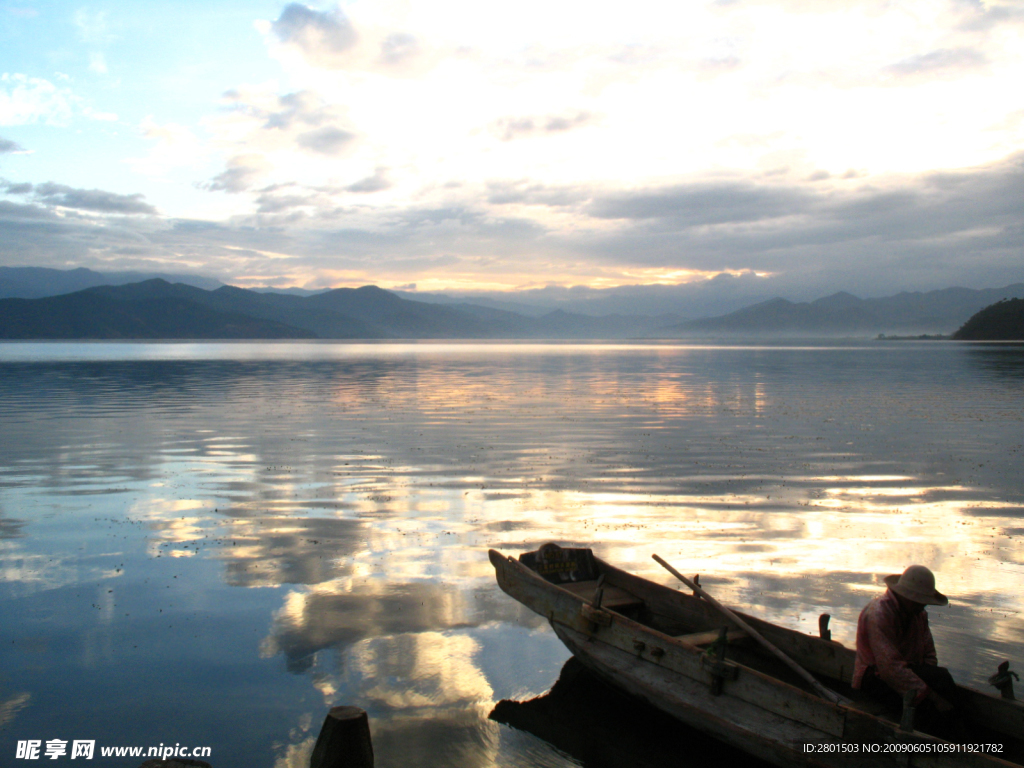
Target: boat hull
765, 715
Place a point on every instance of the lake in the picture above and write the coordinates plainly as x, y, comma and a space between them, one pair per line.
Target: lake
212, 544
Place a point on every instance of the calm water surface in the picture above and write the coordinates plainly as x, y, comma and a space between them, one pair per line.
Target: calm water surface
211, 544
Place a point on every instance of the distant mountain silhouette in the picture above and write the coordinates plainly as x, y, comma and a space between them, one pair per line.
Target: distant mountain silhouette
38, 282
91, 314
932, 312
293, 311
158, 309
1002, 321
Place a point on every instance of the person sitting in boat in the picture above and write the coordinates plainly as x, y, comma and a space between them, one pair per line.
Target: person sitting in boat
896, 652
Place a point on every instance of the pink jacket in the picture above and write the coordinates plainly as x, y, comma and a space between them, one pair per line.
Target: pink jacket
889, 639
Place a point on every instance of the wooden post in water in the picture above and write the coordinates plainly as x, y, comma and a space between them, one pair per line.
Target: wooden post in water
344, 740
907, 719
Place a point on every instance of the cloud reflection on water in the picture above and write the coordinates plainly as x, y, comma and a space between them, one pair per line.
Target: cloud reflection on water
360, 496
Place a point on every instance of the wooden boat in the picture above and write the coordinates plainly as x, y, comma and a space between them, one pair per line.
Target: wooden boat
680, 654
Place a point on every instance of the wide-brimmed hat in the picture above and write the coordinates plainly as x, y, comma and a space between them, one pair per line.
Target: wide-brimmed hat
917, 583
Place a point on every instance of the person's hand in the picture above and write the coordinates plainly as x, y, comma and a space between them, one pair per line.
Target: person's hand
940, 703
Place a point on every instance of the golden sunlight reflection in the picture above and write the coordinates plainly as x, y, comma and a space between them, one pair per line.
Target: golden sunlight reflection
426, 670
823, 542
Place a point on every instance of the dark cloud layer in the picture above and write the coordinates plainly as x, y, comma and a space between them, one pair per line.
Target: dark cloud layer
22, 188
328, 140
376, 183
706, 203
6, 145
243, 172
91, 199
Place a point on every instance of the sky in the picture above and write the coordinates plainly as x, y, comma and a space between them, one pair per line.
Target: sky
814, 145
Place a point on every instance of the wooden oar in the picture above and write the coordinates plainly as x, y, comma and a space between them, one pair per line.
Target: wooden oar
820, 689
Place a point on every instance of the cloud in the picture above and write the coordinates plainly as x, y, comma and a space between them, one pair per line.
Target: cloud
705, 203
328, 140
322, 201
25, 100
527, 193
377, 182
943, 60
323, 37
6, 145
329, 40
19, 211
278, 122
301, 107
243, 171
279, 203
11, 188
911, 232
398, 48
985, 16
92, 199
510, 128
173, 146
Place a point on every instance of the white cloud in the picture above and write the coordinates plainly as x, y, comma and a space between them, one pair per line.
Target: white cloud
174, 146
25, 100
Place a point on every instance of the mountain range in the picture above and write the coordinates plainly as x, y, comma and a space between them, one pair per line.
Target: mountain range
940, 312
157, 308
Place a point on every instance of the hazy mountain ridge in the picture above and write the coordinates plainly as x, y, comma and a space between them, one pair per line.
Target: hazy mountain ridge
702, 298
940, 311
138, 310
280, 308
91, 314
370, 312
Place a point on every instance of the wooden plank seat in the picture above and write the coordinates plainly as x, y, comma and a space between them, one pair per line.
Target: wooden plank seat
614, 599
707, 638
